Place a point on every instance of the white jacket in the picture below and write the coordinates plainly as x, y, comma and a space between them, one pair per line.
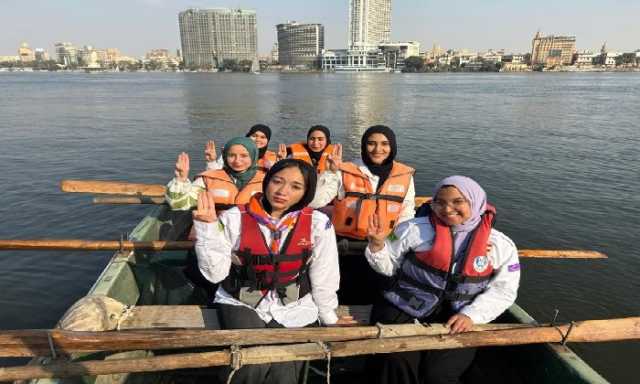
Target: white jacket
330, 186
217, 241
418, 234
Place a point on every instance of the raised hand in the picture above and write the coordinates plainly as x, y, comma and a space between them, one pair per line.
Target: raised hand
375, 233
206, 210
335, 158
282, 152
210, 151
182, 167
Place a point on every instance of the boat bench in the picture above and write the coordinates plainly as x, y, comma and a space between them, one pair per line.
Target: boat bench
196, 317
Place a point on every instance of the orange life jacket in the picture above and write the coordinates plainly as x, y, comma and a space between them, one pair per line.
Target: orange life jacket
225, 192
299, 151
267, 161
351, 214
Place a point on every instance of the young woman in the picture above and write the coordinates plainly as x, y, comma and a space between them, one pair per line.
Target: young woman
238, 180
441, 270
315, 151
378, 183
260, 134
276, 261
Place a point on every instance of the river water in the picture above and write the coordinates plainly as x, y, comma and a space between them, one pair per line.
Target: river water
557, 154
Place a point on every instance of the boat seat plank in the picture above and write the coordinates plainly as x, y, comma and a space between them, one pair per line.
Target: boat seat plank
196, 317
170, 317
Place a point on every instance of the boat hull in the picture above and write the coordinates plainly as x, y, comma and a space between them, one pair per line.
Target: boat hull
150, 278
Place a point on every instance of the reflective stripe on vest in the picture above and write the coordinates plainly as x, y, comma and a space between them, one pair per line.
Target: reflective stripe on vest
260, 271
426, 279
224, 190
351, 214
299, 151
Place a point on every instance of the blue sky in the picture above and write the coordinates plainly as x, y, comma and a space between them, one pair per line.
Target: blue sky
135, 26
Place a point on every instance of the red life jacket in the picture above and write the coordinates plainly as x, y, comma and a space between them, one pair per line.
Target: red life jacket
440, 256
261, 271
428, 278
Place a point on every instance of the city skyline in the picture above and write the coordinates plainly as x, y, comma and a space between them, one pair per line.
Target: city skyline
146, 24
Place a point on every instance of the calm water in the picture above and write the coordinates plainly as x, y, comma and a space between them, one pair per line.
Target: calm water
557, 154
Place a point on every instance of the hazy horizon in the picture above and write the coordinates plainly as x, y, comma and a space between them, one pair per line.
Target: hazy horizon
138, 26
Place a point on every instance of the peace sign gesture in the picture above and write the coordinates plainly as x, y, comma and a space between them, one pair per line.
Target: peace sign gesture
182, 167
376, 233
282, 152
206, 210
210, 151
335, 158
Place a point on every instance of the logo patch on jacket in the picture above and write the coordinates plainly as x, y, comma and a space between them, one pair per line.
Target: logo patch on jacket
480, 263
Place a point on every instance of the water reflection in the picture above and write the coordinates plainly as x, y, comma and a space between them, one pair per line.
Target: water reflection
369, 102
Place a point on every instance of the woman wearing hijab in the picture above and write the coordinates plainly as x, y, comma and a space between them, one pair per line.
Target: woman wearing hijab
238, 180
276, 261
441, 270
377, 183
260, 134
315, 151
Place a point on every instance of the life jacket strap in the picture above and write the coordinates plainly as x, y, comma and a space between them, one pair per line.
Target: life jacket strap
460, 279
374, 196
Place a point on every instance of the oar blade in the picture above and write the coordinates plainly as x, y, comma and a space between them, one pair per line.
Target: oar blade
111, 187
561, 254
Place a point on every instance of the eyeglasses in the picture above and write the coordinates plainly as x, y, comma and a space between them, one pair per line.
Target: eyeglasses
455, 203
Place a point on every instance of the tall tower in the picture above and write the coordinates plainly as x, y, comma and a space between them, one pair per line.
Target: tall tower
369, 23
210, 36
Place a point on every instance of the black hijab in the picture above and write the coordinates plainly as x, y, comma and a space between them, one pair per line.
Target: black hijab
308, 174
381, 170
267, 132
315, 156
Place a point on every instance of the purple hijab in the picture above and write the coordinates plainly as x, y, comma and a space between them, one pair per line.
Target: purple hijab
473, 192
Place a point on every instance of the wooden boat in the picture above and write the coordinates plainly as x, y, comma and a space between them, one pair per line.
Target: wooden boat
156, 278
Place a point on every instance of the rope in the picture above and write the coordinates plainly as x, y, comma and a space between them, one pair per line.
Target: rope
51, 346
566, 336
236, 362
327, 353
126, 311
380, 327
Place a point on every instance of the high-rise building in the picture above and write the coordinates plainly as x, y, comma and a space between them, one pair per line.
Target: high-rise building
210, 36
552, 50
300, 44
67, 53
369, 23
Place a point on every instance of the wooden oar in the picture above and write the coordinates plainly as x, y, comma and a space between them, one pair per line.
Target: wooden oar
95, 245
109, 245
112, 188
25, 343
583, 331
140, 191
158, 200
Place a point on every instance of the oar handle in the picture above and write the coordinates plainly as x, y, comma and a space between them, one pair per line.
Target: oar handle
128, 200
111, 187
